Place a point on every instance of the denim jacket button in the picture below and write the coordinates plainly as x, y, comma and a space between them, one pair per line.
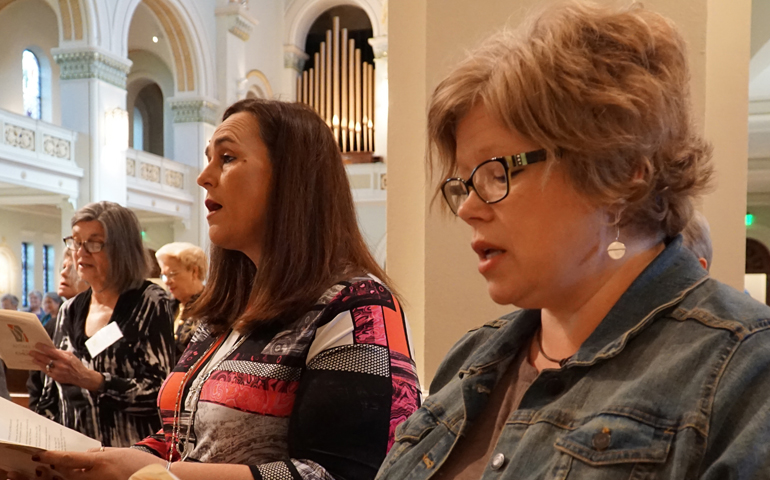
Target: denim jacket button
601, 440
554, 387
497, 461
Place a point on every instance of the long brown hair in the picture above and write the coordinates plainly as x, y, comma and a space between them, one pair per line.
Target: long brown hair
312, 239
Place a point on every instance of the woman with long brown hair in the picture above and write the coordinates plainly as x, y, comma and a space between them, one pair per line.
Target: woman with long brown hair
302, 367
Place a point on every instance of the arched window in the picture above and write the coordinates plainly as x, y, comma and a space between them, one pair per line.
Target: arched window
31, 88
138, 130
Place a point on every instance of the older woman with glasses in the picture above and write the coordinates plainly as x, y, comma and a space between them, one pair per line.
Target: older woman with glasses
183, 269
114, 341
570, 151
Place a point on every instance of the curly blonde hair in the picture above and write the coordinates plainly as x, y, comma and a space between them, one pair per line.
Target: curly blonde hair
191, 256
605, 91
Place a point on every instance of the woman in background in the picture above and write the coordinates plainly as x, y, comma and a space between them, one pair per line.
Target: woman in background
35, 299
107, 388
183, 269
69, 286
51, 304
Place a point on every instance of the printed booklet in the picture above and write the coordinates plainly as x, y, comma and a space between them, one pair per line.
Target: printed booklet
24, 433
19, 332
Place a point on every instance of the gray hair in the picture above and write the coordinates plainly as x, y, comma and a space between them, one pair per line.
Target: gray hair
122, 243
54, 296
11, 298
189, 255
36, 293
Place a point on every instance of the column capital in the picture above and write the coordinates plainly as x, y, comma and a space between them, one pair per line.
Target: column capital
238, 20
294, 57
194, 109
92, 63
380, 46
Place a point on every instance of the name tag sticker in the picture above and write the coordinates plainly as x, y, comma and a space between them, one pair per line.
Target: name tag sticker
105, 337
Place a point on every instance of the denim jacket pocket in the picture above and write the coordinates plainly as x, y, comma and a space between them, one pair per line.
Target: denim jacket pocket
411, 432
610, 440
416, 427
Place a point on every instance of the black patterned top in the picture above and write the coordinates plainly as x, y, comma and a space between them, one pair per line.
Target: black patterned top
318, 398
126, 411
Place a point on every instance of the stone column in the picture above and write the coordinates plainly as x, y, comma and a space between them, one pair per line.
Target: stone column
234, 25
67, 207
380, 47
428, 254
93, 98
294, 59
195, 120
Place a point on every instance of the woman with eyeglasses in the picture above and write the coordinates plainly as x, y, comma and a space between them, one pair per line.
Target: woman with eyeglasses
183, 270
569, 148
114, 345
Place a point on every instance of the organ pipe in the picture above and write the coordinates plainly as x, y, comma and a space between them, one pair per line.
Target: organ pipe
344, 90
316, 94
322, 75
329, 89
340, 88
359, 99
336, 80
352, 94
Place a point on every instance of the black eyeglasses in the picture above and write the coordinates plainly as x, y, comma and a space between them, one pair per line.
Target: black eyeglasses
490, 179
91, 247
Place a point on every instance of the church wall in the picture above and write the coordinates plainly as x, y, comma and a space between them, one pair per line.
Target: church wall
148, 67
157, 234
25, 24
264, 49
21, 226
371, 221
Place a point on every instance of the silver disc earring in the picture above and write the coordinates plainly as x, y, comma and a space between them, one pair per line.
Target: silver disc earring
617, 249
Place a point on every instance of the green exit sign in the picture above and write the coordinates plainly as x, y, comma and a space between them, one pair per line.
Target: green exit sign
749, 219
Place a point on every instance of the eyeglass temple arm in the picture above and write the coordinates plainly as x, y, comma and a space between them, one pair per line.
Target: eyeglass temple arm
526, 158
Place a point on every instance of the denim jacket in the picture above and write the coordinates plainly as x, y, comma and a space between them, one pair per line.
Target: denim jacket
674, 383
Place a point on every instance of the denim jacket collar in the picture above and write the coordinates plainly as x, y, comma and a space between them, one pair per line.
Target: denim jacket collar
663, 284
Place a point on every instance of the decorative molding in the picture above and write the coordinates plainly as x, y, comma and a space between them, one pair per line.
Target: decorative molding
238, 21
130, 167
294, 58
380, 46
174, 179
19, 137
240, 28
194, 110
149, 172
92, 64
56, 147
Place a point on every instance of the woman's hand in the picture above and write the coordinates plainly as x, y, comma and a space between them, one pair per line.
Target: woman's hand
107, 464
65, 368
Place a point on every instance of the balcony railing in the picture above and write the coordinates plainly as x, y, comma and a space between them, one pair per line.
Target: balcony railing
38, 154
158, 184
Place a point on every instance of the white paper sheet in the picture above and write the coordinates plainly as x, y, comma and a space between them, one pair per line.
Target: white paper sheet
19, 332
24, 433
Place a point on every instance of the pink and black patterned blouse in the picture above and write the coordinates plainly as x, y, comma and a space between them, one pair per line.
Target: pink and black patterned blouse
319, 398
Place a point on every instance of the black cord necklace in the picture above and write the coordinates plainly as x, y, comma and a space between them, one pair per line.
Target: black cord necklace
539, 338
